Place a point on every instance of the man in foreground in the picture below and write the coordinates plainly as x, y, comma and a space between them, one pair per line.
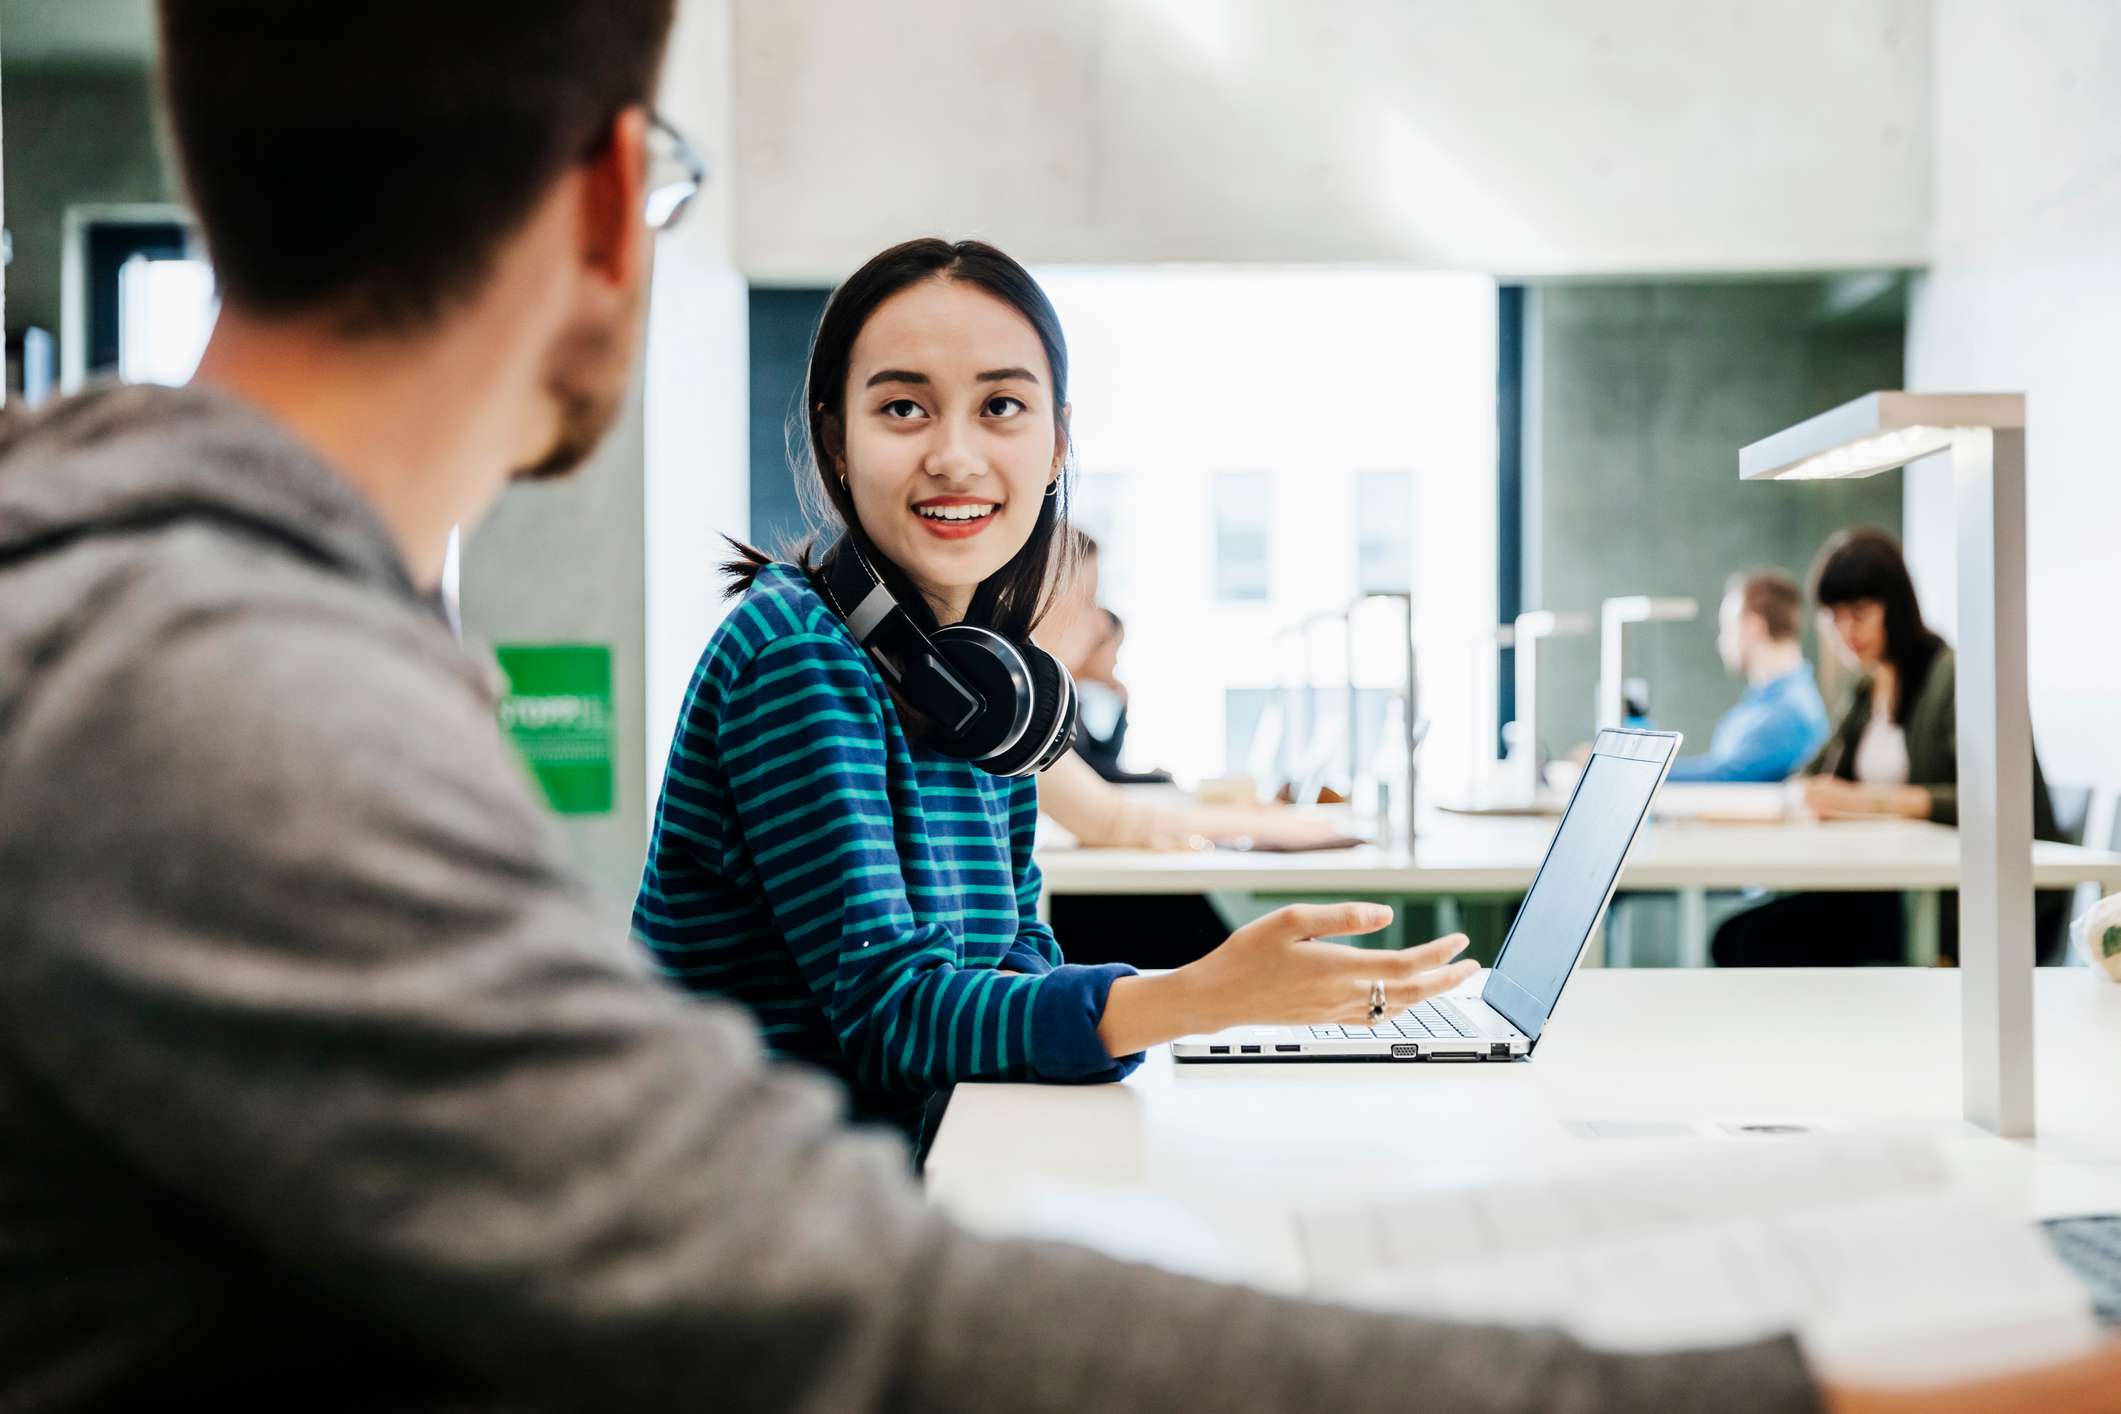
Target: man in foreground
315, 1086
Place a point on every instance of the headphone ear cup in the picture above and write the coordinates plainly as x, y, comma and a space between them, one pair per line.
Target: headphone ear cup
997, 670
1051, 730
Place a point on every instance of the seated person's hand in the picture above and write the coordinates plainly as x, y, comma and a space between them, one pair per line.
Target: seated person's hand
1287, 828
1278, 972
1259, 826
1830, 797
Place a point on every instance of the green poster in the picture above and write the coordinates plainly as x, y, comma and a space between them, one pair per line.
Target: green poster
558, 713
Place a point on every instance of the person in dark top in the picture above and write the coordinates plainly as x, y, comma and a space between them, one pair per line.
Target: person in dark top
1102, 737
1893, 753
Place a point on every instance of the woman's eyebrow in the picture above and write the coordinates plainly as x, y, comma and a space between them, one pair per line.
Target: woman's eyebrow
896, 375
1005, 375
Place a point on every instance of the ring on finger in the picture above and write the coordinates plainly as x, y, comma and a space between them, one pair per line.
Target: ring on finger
1377, 1001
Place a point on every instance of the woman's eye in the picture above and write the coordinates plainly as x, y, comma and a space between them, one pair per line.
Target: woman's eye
902, 408
1002, 405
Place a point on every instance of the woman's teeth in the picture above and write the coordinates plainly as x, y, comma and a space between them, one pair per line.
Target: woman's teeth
954, 512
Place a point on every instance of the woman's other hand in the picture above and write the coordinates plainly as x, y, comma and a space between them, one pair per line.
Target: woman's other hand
1281, 971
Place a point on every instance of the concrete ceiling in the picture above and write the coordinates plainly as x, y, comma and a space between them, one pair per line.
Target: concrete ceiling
76, 31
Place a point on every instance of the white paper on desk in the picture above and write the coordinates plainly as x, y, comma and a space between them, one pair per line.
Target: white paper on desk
1134, 1227
1859, 1244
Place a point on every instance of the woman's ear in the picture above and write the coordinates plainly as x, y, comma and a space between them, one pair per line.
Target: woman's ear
1060, 439
831, 444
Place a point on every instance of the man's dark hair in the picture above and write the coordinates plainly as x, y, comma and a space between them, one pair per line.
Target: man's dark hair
367, 161
1775, 597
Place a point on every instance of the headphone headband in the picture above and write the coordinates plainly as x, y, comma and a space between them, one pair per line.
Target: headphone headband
883, 626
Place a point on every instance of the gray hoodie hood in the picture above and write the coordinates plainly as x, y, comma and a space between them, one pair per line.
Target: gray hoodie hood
139, 508
141, 459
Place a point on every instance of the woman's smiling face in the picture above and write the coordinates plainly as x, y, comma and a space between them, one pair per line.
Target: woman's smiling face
951, 436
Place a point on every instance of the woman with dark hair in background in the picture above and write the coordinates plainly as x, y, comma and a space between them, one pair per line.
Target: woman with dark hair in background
831, 851
1894, 753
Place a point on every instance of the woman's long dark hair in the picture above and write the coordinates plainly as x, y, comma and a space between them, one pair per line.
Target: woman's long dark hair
1015, 597
1867, 564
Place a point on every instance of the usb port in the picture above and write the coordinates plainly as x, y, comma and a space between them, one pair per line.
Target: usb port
1248, 1050
1218, 1050
1288, 1048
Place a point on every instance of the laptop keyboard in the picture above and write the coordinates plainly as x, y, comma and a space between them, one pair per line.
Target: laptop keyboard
1429, 1021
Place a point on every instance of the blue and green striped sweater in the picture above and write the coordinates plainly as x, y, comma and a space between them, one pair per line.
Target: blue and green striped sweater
867, 898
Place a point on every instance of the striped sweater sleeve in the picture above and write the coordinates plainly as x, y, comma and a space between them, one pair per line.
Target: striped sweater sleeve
801, 739
1035, 949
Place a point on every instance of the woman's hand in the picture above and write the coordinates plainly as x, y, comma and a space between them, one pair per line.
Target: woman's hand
1828, 796
1831, 798
1277, 972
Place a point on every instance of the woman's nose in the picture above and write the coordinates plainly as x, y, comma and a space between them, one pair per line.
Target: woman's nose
951, 456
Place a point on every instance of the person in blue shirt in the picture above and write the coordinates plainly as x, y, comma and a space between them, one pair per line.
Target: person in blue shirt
1780, 722
820, 853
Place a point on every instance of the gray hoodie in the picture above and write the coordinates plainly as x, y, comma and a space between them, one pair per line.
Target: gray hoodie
317, 1089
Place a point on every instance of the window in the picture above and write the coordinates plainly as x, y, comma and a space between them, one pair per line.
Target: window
1384, 532
136, 295
1234, 428
1102, 509
1244, 507
165, 311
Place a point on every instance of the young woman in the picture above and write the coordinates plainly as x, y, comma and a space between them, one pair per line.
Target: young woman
1893, 753
823, 853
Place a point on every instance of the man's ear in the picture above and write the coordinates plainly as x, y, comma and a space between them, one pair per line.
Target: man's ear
614, 194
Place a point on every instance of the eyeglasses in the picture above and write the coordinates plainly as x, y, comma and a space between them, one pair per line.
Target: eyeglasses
675, 174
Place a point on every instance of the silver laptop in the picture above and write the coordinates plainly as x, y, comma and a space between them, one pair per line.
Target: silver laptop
1561, 911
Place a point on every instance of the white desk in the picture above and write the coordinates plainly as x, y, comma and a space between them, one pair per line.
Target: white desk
1473, 855
1855, 1046
1499, 854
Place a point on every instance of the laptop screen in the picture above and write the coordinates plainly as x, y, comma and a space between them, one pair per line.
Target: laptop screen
1577, 878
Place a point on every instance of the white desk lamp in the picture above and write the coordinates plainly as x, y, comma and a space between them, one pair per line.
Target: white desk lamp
1614, 617
1985, 435
1520, 773
1411, 687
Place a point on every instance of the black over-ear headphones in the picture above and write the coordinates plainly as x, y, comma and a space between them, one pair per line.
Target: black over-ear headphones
1009, 708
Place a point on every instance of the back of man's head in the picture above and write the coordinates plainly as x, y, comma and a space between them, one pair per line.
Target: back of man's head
365, 162
1775, 598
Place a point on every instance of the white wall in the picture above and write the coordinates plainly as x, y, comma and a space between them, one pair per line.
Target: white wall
2025, 293
1160, 361
1508, 136
696, 380
623, 552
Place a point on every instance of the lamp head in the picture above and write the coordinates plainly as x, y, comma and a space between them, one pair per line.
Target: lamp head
1877, 432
